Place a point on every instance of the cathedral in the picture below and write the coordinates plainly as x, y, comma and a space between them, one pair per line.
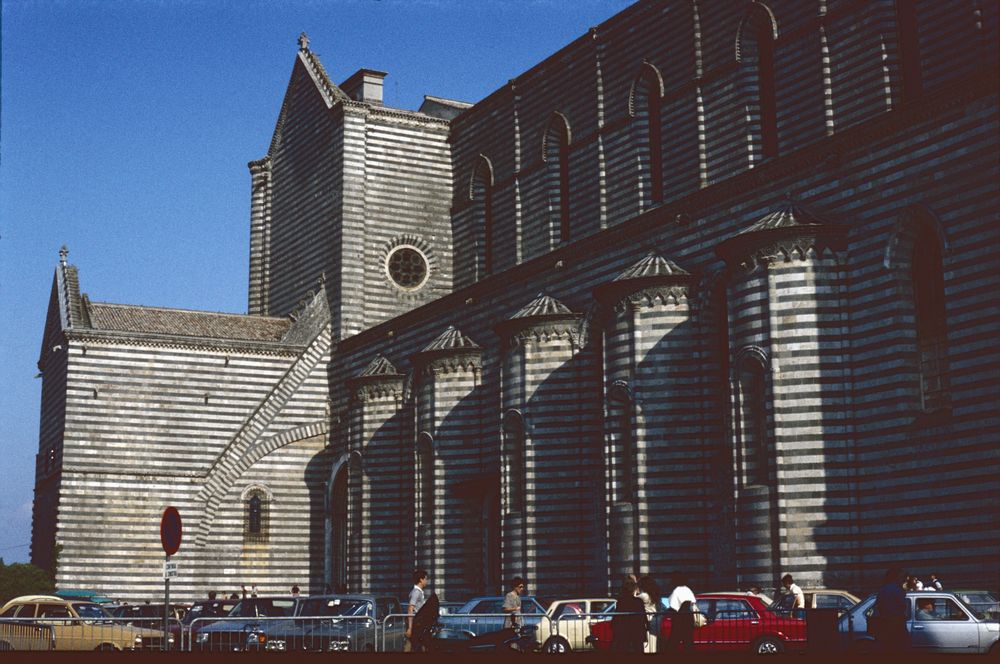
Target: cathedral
714, 288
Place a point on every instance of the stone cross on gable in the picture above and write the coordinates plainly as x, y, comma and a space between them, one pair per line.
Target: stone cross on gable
303, 41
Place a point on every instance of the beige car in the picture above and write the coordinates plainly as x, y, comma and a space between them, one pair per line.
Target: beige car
568, 623
818, 598
77, 625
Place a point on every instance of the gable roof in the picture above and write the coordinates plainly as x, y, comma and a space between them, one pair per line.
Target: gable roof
185, 323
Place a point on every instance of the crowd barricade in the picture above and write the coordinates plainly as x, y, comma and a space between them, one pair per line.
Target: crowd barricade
393, 629
813, 630
280, 634
62, 632
569, 631
25, 634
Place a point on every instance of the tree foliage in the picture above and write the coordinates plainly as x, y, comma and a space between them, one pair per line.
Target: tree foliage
23, 579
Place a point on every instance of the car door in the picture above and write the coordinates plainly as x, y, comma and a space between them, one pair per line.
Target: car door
492, 620
731, 625
950, 630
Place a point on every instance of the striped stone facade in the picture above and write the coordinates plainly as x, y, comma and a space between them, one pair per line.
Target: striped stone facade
713, 288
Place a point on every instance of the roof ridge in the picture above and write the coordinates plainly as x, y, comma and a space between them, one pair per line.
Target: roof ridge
176, 309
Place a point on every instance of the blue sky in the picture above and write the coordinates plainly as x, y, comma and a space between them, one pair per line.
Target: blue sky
126, 127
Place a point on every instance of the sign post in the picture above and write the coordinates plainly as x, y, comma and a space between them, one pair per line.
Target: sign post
170, 537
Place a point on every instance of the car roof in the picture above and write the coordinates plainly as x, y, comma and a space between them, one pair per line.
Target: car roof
39, 598
583, 599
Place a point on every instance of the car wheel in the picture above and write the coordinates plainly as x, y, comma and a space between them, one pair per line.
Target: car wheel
556, 645
768, 645
106, 647
5, 647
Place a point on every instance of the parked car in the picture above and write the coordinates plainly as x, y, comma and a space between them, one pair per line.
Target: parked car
568, 623
79, 625
336, 623
735, 622
240, 629
200, 614
485, 614
150, 616
983, 601
954, 628
817, 598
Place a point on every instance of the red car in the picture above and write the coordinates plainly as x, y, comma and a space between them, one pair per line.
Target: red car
735, 621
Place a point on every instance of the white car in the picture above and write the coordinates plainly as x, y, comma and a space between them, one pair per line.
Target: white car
568, 623
945, 624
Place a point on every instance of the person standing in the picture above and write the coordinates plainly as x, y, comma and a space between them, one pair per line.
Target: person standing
890, 613
628, 626
793, 589
680, 606
295, 591
650, 594
936, 582
416, 600
512, 601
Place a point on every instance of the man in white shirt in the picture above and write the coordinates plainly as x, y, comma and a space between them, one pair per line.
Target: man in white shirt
791, 587
416, 600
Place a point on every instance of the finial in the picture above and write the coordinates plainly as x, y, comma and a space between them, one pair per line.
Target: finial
303, 41
63, 255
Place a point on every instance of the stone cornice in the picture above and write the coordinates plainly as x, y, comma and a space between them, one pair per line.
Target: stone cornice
747, 251
448, 362
363, 389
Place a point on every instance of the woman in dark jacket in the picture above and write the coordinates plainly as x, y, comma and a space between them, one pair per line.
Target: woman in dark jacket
628, 626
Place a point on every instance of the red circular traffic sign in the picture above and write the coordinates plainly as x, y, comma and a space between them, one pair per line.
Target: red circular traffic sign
170, 530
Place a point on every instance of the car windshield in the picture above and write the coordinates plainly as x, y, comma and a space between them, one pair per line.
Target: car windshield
981, 605
88, 610
335, 607
264, 607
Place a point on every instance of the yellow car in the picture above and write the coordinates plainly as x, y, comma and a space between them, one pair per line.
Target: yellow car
568, 623
75, 625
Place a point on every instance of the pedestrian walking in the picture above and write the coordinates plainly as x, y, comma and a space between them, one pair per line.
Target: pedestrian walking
680, 605
512, 601
650, 594
793, 589
629, 627
416, 600
888, 621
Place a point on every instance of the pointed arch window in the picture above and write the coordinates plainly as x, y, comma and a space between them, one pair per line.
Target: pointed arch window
755, 53
927, 276
555, 153
646, 101
754, 437
621, 410
481, 195
425, 479
256, 503
513, 440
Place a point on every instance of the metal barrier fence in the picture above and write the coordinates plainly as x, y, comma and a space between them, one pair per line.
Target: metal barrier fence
762, 632
63, 632
299, 633
569, 632
393, 637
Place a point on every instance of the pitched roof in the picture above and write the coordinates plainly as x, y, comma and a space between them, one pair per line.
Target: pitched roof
451, 339
185, 323
379, 367
652, 265
543, 305
787, 215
